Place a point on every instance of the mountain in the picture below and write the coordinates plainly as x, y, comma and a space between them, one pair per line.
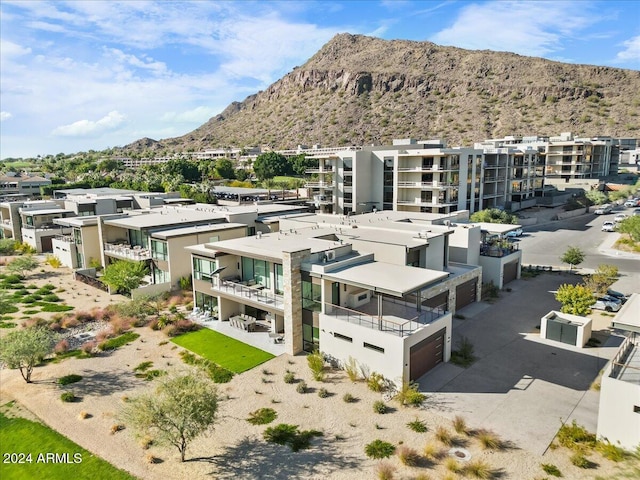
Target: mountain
361, 90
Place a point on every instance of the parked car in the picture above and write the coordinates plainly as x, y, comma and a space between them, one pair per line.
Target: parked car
620, 217
607, 304
634, 202
636, 212
618, 295
604, 209
514, 233
608, 227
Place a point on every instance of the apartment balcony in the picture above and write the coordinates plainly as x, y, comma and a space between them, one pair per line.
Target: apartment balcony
498, 249
423, 168
42, 227
493, 179
321, 185
398, 318
420, 203
248, 291
65, 238
127, 252
421, 185
319, 170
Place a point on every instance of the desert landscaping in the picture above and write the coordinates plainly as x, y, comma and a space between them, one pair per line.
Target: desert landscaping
429, 442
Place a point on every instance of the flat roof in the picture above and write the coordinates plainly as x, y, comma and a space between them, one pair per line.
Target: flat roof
46, 211
181, 231
77, 221
101, 191
493, 227
628, 317
243, 190
396, 280
408, 239
163, 217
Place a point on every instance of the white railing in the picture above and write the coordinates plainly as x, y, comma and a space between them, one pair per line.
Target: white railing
127, 251
255, 293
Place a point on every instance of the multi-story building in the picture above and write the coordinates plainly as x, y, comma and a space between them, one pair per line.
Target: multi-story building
21, 184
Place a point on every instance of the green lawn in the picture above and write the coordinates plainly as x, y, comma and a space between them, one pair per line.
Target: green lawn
21, 436
222, 350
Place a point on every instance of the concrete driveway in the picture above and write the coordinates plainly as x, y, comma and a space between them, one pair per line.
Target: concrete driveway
520, 386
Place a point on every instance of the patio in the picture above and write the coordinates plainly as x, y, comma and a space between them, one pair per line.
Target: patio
259, 339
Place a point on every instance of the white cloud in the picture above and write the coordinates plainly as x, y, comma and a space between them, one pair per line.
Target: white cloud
87, 128
632, 50
5, 116
10, 49
147, 63
527, 28
197, 115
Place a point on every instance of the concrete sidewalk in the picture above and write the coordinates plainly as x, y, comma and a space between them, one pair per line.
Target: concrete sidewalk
520, 386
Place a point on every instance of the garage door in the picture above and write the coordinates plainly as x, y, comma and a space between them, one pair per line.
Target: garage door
441, 300
47, 244
427, 354
466, 293
510, 272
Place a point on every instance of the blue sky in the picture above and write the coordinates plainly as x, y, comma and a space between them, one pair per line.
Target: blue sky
87, 75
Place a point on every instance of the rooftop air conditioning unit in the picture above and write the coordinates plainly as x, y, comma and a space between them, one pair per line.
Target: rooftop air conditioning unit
331, 255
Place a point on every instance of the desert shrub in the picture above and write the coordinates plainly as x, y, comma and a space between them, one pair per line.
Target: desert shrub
284, 434
379, 449
68, 397
143, 367
453, 465
431, 451
262, 416
459, 425
27, 300
289, 377
580, 461
489, 440
409, 394
35, 322
51, 297
380, 407
180, 327
575, 436
151, 374
85, 317
62, 346
478, 469
89, 347
146, 442
69, 379
444, 436
463, 356
376, 382
69, 322
348, 398
120, 324
323, 393
12, 279
408, 456
115, 428
84, 415
302, 387
551, 469
118, 341
385, 471
316, 365
611, 451
351, 369
417, 426
185, 283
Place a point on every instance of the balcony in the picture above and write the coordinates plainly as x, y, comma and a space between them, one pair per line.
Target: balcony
434, 184
127, 252
399, 318
327, 169
243, 291
499, 248
65, 238
325, 185
422, 168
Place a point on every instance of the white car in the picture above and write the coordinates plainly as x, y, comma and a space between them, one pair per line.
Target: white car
631, 203
603, 209
607, 304
608, 227
620, 217
514, 233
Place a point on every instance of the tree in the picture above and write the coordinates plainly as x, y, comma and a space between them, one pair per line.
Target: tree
224, 168
631, 226
22, 265
300, 164
572, 256
24, 349
575, 299
181, 409
494, 215
596, 197
600, 280
270, 164
7, 246
124, 275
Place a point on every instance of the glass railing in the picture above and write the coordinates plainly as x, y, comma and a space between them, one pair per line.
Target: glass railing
256, 293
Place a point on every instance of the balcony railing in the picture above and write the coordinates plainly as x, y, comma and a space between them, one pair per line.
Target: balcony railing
65, 238
401, 328
319, 185
127, 251
501, 249
433, 184
256, 293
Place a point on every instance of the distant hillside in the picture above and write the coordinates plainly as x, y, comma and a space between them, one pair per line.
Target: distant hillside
363, 90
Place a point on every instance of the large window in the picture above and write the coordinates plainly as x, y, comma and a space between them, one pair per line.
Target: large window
279, 279
202, 268
311, 296
160, 276
206, 303
257, 271
138, 238
159, 250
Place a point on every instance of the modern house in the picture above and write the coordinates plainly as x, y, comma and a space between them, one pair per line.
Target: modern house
23, 184
619, 412
318, 291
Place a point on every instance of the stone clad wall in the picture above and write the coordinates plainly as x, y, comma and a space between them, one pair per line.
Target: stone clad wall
291, 262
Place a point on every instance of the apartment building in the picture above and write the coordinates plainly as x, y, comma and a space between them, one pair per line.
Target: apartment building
314, 288
12, 183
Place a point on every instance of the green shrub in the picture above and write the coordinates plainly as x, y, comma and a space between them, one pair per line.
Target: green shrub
316, 365
151, 374
575, 436
463, 356
217, 373
68, 397
323, 393
289, 377
348, 398
379, 449
580, 461
68, 379
409, 394
284, 434
611, 451
418, 426
301, 387
376, 382
262, 416
380, 407
143, 367
51, 297
551, 469
118, 341
6, 308
52, 307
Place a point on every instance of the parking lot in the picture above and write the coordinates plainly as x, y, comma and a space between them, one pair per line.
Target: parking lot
520, 386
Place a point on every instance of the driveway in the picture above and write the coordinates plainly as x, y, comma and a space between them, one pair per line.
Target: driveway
520, 386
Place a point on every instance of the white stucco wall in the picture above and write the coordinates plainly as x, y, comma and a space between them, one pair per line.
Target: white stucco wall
493, 267
66, 252
617, 421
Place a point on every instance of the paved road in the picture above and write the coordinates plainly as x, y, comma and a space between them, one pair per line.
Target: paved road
545, 244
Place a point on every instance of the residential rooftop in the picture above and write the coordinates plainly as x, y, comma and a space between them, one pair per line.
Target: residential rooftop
183, 231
